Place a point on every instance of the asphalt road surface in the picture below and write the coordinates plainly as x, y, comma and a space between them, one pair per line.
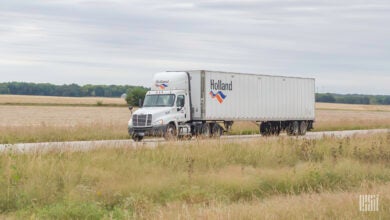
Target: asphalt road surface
152, 143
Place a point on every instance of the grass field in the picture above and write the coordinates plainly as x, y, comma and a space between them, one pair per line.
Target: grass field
40, 123
270, 178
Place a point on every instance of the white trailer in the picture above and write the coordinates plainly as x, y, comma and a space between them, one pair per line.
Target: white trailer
206, 103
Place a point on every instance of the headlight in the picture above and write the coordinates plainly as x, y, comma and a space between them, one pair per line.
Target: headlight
158, 122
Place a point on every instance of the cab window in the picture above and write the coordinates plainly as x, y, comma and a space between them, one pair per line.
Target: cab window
180, 101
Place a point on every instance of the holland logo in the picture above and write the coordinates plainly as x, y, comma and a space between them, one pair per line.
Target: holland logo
219, 96
162, 86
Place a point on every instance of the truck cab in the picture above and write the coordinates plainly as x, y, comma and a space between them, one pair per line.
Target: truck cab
166, 108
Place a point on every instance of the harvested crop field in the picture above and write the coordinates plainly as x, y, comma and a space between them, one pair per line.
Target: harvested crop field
56, 100
350, 107
65, 123
26, 123
61, 116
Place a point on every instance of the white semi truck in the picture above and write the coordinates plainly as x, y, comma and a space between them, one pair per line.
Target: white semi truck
182, 104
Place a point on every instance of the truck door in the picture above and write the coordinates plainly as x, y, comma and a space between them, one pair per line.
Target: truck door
182, 108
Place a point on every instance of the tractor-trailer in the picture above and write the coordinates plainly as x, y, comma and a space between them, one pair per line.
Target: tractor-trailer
182, 104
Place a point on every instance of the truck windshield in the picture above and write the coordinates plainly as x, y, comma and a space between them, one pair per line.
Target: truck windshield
160, 100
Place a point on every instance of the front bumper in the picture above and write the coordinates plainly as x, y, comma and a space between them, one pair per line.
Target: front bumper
158, 130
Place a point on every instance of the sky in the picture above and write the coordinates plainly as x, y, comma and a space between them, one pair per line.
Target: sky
345, 44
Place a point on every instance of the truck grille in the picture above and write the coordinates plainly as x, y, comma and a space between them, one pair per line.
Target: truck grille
142, 120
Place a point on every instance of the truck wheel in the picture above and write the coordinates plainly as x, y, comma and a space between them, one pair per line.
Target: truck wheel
137, 138
275, 129
293, 128
302, 128
170, 132
265, 129
205, 131
216, 130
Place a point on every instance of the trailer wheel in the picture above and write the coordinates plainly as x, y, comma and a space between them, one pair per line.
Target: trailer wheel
293, 128
302, 128
216, 130
265, 128
137, 138
170, 132
205, 131
275, 128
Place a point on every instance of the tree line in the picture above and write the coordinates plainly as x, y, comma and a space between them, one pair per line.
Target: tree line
353, 99
70, 90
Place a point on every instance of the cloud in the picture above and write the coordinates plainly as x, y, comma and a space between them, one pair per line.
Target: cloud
83, 41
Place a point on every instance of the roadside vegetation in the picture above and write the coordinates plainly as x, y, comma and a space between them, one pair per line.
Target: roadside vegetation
213, 179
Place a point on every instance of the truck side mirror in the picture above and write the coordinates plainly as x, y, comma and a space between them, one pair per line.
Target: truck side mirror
140, 103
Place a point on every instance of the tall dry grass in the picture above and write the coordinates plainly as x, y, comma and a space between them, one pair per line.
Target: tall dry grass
80, 132
213, 174
326, 205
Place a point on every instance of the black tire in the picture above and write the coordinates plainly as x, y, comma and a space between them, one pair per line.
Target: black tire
216, 130
205, 131
137, 138
170, 133
265, 129
275, 127
293, 128
303, 127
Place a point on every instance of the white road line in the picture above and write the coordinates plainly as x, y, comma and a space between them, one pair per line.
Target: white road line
152, 143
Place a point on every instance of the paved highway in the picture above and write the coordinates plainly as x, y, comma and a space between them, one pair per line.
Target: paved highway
152, 143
